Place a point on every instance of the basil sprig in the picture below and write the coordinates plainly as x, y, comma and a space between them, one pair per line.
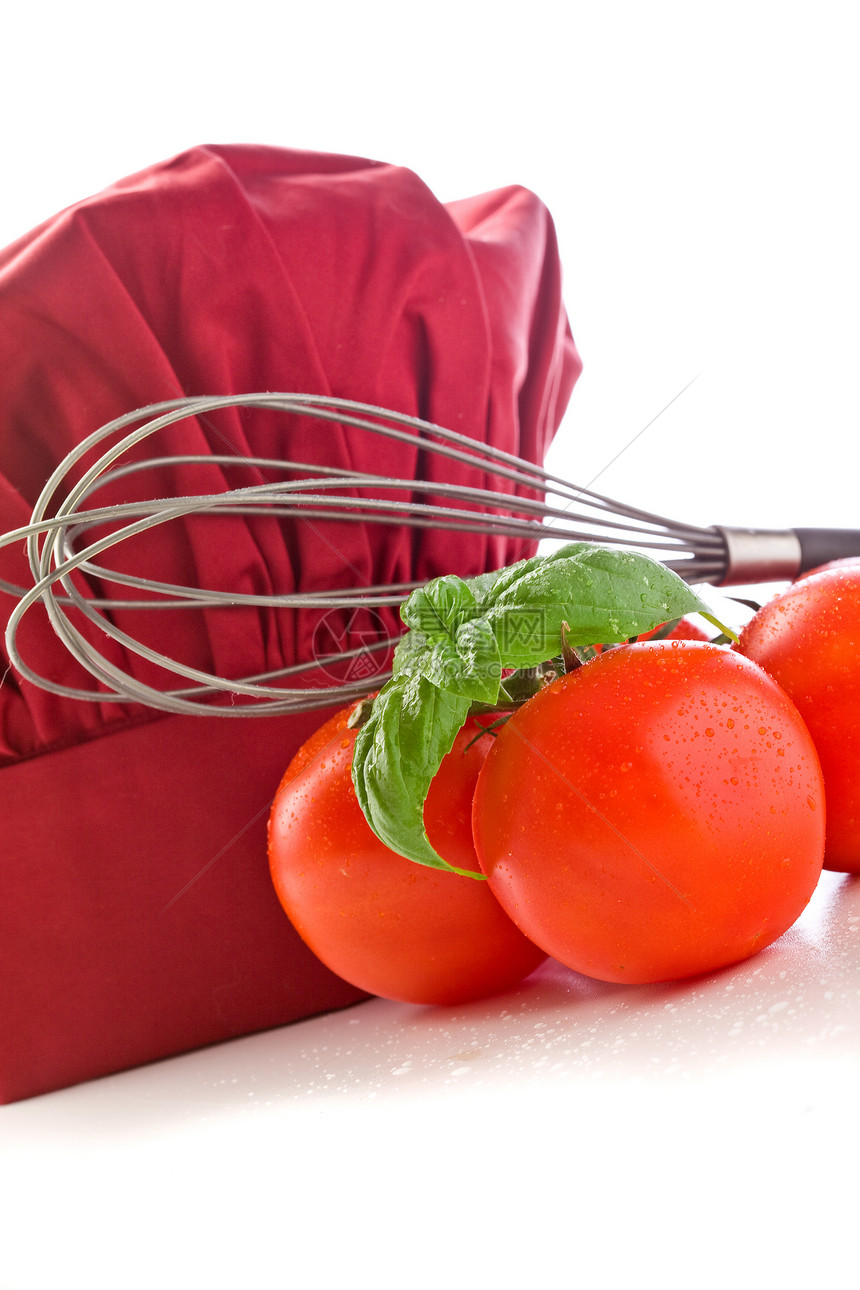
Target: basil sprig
463, 635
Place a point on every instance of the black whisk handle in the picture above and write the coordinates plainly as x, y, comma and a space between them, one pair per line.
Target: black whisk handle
820, 546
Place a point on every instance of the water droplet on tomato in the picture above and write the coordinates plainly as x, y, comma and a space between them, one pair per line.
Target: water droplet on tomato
709, 732
810, 802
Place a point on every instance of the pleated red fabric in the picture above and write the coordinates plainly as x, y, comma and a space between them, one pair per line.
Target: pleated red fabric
137, 919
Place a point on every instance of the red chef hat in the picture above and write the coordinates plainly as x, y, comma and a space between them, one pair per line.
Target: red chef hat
138, 918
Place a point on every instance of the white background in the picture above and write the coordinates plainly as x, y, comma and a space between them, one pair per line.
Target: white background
700, 163
701, 166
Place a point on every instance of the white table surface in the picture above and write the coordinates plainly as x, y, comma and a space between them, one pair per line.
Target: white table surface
566, 1133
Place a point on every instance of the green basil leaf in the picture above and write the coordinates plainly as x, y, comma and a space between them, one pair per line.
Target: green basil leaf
482, 585
467, 664
449, 644
488, 587
603, 596
440, 607
477, 666
409, 655
397, 752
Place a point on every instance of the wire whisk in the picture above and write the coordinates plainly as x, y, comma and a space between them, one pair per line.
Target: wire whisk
66, 560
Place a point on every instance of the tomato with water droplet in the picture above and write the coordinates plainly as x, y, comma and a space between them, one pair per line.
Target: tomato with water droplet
686, 843
385, 924
808, 639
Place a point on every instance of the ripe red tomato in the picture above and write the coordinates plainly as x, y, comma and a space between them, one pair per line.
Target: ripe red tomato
808, 639
655, 814
385, 924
